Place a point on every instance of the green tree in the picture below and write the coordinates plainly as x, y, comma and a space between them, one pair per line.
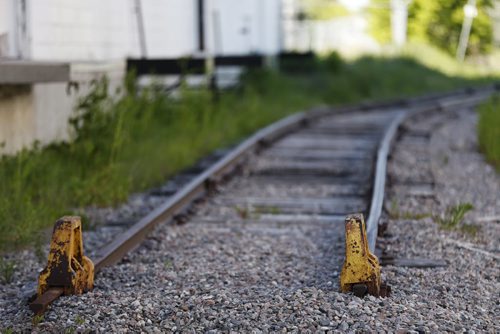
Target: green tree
380, 20
438, 23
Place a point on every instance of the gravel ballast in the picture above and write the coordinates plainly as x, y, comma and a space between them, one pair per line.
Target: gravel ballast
250, 273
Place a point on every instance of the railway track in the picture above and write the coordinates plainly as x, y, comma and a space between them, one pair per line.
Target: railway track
296, 181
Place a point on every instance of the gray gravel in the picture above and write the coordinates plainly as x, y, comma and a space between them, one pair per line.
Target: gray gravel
466, 294
249, 274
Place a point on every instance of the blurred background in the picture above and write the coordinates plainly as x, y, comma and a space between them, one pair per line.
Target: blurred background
90, 39
96, 30
99, 99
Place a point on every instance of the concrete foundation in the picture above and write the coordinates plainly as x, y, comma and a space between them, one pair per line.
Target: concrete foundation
39, 112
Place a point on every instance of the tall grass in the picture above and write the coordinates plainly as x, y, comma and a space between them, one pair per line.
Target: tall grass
129, 143
138, 138
489, 130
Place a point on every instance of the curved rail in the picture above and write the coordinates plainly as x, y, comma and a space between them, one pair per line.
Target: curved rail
379, 179
471, 98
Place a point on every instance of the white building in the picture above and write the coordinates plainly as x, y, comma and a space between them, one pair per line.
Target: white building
94, 37
94, 30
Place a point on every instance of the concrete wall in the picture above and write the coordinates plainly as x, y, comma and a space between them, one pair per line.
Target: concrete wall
8, 42
4, 28
251, 26
95, 30
33, 113
17, 118
171, 27
289, 11
80, 30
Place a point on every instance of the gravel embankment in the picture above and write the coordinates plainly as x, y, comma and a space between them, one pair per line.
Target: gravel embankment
253, 275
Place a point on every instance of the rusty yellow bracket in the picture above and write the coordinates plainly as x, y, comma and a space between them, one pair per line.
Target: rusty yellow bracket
68, 271
361, 270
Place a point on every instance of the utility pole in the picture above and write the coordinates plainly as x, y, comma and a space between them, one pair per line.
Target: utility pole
470, 12
399, 21
141, 29
201, 25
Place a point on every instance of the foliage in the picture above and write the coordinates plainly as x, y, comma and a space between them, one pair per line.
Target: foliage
489, 130
380, 20
333, 62
69, 330
453, 215
324, 9
37, 320
395, 212
437, 59
79, 320
136, 139
296, 62
7, 269
438, 23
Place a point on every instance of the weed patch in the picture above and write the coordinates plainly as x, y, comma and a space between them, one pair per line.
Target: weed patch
470, 229
395, 212
70, 330
489, 130
37, 320
453, 217
7, 270
79, 320
168, 264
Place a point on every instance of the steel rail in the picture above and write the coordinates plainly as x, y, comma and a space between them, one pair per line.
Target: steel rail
378, 191
195, 189
203, 184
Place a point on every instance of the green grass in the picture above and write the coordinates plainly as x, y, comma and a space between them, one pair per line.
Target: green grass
489, 130
135, 141
453, 217
7, 270
395, 212
37, 320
